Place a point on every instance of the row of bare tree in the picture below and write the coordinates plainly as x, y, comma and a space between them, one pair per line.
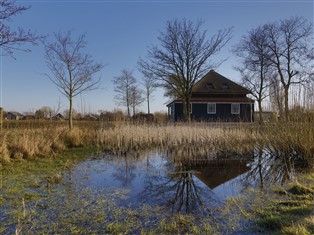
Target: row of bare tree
129, 94
273, 57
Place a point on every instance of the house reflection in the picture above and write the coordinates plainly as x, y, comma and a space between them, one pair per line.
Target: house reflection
179, 191
218, 172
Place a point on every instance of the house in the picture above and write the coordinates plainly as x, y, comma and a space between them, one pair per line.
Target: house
29, 116
90, 117
14, 116
58, 116
216, 98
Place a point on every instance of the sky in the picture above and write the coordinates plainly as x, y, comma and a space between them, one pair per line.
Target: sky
118, 33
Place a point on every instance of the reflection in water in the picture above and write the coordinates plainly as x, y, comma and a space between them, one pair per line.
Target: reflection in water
188, 186
179, 184
125, 171
271, 166
176, 189
175, 183
218, 172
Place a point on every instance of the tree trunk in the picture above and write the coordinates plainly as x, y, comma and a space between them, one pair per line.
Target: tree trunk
70, 114
260, 112
186, 110
286, 90
70, 98
128, 106
148, 109
133, 107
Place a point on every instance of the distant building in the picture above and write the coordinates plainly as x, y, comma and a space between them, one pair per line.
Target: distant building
90, 118
216, 98
58, 116
29, 116
14, 116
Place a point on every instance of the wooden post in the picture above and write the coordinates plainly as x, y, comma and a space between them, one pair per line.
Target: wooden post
1, 117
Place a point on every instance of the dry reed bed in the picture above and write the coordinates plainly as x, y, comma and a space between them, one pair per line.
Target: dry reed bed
29, 143
198, 138
290, 139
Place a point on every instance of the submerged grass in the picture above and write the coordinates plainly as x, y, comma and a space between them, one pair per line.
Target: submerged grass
285, 210
30, 206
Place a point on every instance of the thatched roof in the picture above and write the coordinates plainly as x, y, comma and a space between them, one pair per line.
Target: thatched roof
215, 83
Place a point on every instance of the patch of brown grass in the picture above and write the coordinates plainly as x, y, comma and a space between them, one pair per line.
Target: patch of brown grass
197, 138
202, 137
28, 143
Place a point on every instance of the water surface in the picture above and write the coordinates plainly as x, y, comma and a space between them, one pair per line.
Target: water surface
101, 191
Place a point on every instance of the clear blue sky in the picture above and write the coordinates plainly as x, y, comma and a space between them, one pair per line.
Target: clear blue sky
118, 33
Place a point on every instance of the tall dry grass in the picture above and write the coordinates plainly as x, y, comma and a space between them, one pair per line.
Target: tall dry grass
192, 140
292, 139
29, 143
200, 137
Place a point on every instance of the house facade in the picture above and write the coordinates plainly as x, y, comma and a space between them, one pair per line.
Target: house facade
14, 116
216, 98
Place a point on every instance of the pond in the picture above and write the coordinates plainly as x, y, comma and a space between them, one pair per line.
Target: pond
132, 193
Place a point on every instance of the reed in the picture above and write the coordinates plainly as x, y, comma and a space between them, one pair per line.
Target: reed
28, 143
291, 140
201, 138
193, 140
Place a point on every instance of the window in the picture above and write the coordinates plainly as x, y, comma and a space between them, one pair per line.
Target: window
170, 111
211, 108
225, 86
191, 107
210, 86
235, 108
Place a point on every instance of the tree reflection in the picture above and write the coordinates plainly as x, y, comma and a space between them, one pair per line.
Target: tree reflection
271, 166
176, 190
125, 170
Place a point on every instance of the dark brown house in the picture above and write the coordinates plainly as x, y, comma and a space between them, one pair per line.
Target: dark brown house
216, 98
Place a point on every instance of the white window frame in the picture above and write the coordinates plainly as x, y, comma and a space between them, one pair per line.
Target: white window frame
235, 106
214, 106
169, 110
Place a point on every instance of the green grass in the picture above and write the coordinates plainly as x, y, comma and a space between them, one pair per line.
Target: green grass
284, 210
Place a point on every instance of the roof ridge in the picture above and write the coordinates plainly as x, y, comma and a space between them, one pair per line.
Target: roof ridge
217, 79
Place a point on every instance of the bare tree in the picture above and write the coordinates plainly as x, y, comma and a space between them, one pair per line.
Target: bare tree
72, 70
123, 85
136, 98
10, 39
289, 44
255, 69
149, 84
183, 57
